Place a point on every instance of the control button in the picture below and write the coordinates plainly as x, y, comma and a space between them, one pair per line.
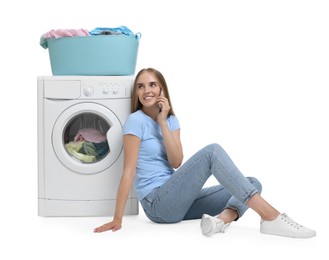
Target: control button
88, 91
105, 91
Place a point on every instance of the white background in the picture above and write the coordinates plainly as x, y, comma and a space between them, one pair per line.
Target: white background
250, 75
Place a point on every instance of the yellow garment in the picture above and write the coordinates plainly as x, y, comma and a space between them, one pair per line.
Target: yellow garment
73, 147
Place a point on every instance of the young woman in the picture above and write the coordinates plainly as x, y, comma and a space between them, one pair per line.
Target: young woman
170, 191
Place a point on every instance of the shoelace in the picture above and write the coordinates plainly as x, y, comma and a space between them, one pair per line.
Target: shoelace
289, 221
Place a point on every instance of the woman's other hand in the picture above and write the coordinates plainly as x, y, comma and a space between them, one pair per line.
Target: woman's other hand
113, 225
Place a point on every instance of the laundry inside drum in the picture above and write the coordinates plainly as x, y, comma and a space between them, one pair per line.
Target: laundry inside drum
84, 138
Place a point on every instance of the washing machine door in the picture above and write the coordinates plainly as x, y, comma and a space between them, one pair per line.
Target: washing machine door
87, 138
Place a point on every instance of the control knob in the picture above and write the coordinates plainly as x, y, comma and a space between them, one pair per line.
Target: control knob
88, 91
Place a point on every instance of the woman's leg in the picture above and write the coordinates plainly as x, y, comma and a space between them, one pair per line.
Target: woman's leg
263, 208
216, 199
171, 201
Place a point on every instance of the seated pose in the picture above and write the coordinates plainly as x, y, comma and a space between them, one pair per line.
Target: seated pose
170, 191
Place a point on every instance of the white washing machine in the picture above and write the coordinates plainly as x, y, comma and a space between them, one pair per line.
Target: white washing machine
80, 150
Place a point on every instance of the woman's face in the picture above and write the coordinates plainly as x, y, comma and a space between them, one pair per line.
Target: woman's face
148, 89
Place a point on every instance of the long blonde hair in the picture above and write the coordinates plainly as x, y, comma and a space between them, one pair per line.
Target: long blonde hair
136, 104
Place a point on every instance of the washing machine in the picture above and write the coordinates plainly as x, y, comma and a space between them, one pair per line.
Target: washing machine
80, 150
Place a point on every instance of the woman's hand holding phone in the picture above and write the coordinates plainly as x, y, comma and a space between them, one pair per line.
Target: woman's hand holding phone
163, 106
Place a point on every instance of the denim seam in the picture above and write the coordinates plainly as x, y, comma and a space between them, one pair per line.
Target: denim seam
251, 193
156, 218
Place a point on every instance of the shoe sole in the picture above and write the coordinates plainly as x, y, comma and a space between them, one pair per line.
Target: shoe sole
288, 234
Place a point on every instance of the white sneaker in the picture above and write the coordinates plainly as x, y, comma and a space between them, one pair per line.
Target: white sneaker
211, 225
285, 226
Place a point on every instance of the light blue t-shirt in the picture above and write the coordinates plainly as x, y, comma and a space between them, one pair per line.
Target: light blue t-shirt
153, 168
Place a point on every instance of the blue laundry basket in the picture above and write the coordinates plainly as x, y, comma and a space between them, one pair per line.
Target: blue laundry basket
101, 55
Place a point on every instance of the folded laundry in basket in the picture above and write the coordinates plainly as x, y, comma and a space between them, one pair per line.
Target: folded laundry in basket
61, 33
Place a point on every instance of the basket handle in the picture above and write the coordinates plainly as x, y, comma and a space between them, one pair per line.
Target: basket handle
138, 36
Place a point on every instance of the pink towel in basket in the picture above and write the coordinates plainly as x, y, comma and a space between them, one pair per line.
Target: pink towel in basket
66, 33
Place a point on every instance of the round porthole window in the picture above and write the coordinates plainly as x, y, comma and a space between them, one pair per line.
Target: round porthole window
87, 138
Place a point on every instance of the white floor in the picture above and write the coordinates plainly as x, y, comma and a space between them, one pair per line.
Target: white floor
73, 238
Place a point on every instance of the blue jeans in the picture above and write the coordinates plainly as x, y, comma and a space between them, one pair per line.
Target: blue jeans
183, 196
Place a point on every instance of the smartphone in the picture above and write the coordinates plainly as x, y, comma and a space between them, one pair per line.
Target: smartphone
160, 106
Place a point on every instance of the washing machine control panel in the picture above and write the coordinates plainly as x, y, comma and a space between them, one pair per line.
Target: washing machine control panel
97, 89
